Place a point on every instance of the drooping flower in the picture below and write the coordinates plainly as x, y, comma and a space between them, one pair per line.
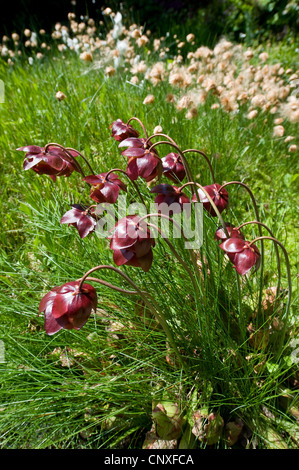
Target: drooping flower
81, 218
242, 254
105, 188
53, 161
170, 199
132, 243
220, 198
142, 162
173, 167
68, 307
233, 232
121, 131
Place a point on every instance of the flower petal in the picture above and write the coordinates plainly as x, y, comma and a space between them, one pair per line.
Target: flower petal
244, 261
233, 245
85, 225
51, 324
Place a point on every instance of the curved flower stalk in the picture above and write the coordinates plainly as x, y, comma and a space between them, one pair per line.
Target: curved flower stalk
212, 203
178, 257
289, 280
70, 149
114, 170
239, 183
182, 156
205, 157
148, 300
133, 118
276, 251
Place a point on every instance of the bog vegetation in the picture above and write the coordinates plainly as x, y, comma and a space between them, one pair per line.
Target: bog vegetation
135, 341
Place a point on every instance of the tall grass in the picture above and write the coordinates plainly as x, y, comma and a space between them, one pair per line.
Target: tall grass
95, 387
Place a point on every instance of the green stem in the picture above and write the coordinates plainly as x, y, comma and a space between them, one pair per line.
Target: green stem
178, 257
285, 318
276, 251
184, 160
192, 255
259, 229
140, 122
158, 314
206, 158
111, 286
159, 134
82, 156
211, 202
133, 182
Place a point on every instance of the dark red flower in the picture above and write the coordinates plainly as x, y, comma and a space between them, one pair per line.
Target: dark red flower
132, 243
67, 307
53, 161
81, 218
105, 188
142, 162
121, 131
242, 254
233, 232
170, 196
220, 198
173, 167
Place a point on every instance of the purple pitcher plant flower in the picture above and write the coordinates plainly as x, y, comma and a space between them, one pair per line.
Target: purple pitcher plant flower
173, 167
68, 306
121, 131
220, 198
52, 161
81, 218
142, 162
233, 232
170, 196
243, 254
105, 187
132, 243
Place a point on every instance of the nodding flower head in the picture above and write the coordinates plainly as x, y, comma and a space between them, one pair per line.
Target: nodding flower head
233, 232
242, 254
121, 131
105, 188
132, 243
142, 162
68, 307
170, 199
220, 198
53, 161
81, 218
173, 167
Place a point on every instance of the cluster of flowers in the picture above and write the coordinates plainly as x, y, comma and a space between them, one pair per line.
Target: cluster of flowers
228, 71
131, 241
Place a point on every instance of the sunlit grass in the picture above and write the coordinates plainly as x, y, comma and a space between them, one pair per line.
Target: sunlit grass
86, 389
